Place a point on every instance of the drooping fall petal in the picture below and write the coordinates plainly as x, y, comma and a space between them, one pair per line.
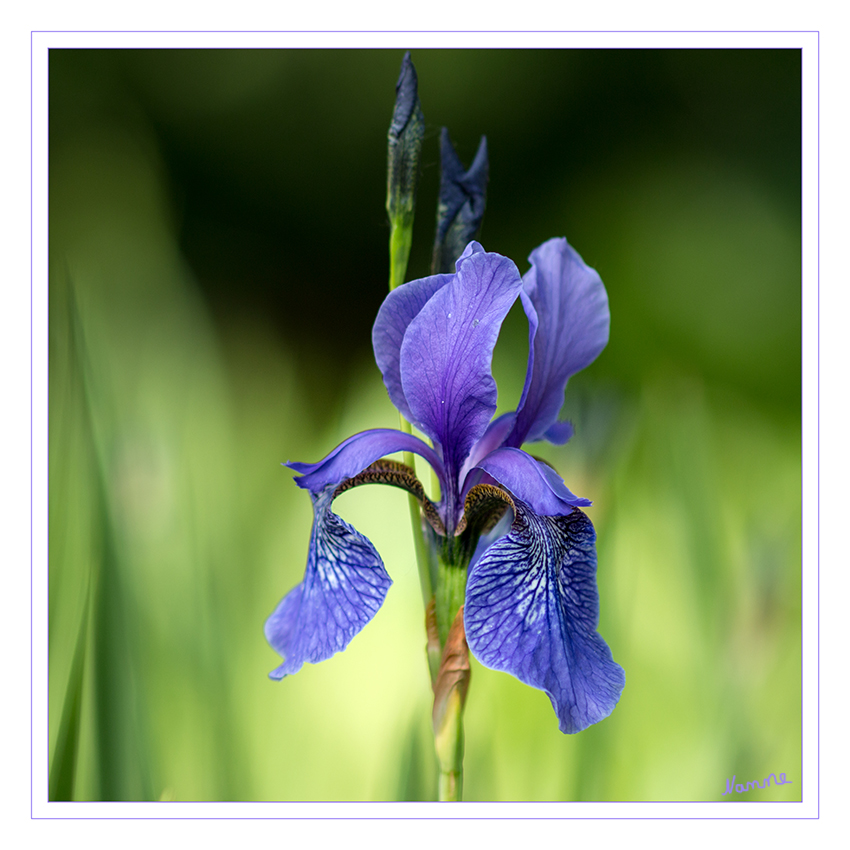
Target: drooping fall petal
344, 585
532, 608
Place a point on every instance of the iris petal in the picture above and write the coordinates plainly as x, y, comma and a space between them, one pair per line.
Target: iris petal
344, 585
559, 433
531, 481
532, 608
567, 309
356, 453
447, 352
399, 309
493, 437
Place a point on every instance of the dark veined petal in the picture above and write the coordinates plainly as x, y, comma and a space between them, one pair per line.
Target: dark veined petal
344, 585
567, 309
447, 353
532, 609
356, 453
399, 309
531, 481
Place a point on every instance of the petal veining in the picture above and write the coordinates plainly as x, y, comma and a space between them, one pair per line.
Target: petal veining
344, 585
447, 352
532, 608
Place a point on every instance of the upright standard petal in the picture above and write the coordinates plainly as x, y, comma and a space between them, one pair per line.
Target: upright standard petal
447, 352
399, 309
532, 609
356, 453
567, 309
344, 586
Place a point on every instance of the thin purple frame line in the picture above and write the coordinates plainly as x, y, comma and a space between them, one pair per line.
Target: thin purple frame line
429, 32
802, 434
382, 47
47, 472
418, 802
31, 440
668, 802
818, 423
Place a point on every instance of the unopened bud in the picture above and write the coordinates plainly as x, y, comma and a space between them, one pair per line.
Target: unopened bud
404, 144
463, 195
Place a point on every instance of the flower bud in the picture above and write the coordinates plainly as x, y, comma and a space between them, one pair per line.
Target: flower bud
404, 144
461, 206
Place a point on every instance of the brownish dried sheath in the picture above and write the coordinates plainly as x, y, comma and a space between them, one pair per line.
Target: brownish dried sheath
454, 673
433, 645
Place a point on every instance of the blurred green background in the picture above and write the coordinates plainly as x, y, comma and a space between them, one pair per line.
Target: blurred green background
218, 253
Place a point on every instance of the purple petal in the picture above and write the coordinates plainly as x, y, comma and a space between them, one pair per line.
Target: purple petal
399, 309
531, 481
533, 322
447, 353
500, 529
567, 309
493, 437
344, 586
356, 453
532, 609
559, 433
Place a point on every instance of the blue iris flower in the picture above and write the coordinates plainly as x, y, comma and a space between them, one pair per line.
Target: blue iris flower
531, 606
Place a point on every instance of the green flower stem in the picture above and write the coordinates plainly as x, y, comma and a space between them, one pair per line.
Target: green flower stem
450, 691
442, 565
449, 745
450, 590
419, 546
401, 238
